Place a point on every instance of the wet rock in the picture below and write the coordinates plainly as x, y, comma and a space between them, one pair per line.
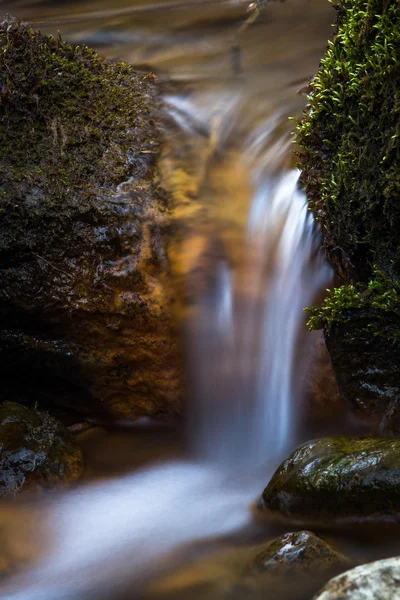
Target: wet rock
35, 451
298, 551
379, 580
367, 368
345, 479
86, 306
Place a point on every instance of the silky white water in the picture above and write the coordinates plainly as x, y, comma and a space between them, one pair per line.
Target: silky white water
244, 337
247, 407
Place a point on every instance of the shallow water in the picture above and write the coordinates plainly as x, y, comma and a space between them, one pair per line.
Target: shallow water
155, 500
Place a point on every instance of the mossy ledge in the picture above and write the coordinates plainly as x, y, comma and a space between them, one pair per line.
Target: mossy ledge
349, 155
349, 140
86, 307
380, 297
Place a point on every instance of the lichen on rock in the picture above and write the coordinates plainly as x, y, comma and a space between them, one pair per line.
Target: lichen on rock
35, 451
86, 306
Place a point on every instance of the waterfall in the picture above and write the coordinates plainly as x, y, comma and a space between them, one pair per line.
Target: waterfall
246, 352
104, 539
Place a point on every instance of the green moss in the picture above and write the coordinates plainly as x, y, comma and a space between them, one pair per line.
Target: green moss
71, 124
349, 139
334, 308
349, 154
380, 298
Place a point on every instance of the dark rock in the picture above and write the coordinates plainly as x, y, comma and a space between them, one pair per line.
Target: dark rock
338, 480
379, 580
35, 451
367, 368
86, 307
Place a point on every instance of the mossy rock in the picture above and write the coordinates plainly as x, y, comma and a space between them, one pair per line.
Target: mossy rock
338, 480
35, 451
349, 140
349, 155
86, 306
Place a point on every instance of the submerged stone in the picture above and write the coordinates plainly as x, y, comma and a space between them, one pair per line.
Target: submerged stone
300, 551
379, 580
292, 566
35, 451
345, 479
86, 307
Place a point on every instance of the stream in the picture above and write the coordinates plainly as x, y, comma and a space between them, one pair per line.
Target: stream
161, 509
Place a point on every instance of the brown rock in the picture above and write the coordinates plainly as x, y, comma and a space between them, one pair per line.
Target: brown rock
86, 307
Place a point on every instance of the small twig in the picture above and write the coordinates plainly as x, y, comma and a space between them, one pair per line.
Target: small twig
49, 263
256, 9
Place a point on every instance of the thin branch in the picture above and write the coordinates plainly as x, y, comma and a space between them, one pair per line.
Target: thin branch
50, 264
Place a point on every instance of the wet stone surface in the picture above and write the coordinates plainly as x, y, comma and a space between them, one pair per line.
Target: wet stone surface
301, 550
344, 479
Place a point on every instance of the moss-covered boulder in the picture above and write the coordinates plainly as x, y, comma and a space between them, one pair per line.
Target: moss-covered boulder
86, 309
349, 154
338, 480
35, 451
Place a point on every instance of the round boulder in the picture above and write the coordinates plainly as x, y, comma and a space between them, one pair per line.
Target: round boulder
338, 480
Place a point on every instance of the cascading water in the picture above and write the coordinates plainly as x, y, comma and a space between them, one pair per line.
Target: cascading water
106, 539
247, 392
